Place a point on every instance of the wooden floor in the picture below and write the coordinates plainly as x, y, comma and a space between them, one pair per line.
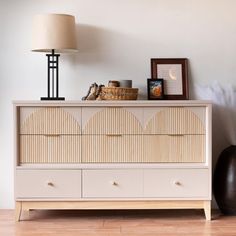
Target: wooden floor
74, 223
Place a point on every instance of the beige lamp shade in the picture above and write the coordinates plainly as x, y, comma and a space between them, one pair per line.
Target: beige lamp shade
54, 31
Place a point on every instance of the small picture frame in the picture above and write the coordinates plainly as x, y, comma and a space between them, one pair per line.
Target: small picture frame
174, 71
155, 89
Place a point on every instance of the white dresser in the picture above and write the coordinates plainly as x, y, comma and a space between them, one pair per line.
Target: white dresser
113, 155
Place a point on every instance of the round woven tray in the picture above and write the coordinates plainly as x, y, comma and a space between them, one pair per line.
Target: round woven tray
118, 93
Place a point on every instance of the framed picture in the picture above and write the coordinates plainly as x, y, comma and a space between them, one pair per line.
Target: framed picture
175, 74
155, 89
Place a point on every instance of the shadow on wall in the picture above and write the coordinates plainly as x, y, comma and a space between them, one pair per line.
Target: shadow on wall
97, 45
111, 55
223, 127
223, 116
90, 43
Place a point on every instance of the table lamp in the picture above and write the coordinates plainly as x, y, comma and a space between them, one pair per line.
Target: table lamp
54, 33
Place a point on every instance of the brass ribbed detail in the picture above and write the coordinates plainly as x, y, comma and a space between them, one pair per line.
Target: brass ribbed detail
50, 149
175, 149
113, 121
175, 120
112, 149
50, 120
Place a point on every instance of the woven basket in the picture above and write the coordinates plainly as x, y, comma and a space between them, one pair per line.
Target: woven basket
118, 93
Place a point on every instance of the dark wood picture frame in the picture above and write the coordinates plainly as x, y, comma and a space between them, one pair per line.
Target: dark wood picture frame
151, 83
184, 80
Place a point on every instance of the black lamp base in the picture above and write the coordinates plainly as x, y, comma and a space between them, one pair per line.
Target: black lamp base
53, 78
52, 99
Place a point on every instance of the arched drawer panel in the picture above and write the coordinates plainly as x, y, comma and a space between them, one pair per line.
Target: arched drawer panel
111, 121
51, 120
175, 120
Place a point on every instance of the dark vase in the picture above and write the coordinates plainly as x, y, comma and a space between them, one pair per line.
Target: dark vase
224, 181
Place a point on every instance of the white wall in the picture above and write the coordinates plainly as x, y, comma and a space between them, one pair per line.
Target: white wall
116, 41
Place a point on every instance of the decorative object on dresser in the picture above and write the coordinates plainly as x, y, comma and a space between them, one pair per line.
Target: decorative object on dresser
155, 89
113, 83
54, 33
174, 71
113, 155
125, 83
93, 92
112, 92
118, 93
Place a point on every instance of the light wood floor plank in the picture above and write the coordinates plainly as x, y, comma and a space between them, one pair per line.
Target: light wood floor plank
116, 223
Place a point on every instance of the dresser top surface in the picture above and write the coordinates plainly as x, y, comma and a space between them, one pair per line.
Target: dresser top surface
136, 103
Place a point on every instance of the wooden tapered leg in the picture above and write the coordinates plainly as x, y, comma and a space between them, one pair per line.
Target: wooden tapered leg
27, 214
207, 209
18, 208
27, 206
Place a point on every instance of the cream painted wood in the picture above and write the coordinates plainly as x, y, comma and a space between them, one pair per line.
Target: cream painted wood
176, 183
48, 184
133, 195
85, 166
50, 149
112, 183
111, 120
174, 148
50, 120
200, 112
117, 103
112, 149
174, 120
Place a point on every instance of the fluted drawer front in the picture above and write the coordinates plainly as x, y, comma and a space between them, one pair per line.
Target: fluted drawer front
176, 183
50, 149
48, 184
175, 120
112, 120
105, 183
50, 120
112, 148
174, 148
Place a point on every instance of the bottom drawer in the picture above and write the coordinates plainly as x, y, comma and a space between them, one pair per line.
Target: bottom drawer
48, 184
176, 183
112, 183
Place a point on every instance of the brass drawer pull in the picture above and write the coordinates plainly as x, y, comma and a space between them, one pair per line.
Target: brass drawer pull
177, 183
50, 184
114, 183
114, 135
52, 135
176, 135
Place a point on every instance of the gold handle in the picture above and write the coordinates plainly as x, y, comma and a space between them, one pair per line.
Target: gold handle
176, 135
114, 183
114, 135
50, 184
52, 135
177, 183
